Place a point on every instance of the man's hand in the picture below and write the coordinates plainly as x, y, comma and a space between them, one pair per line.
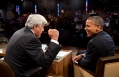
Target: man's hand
53, 34
76, 58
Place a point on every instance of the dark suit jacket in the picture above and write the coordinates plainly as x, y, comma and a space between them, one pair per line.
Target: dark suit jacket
24, 52
100, 45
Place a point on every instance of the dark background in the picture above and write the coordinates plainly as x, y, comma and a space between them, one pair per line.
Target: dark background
51, 5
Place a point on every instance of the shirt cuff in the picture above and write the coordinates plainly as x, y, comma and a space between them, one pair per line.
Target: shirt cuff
55, 41
84, 55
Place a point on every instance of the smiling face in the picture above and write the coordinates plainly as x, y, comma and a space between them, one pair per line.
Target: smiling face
91, 28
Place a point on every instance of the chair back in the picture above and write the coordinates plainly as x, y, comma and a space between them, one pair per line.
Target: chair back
6, 70
108, 66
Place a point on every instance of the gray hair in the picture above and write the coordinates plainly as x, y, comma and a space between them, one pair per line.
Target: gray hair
35, 19
97, 20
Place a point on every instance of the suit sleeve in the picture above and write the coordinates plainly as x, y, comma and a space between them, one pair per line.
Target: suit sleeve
92, 55
34, 51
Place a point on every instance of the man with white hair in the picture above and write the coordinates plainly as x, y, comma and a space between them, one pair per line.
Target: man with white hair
24, 50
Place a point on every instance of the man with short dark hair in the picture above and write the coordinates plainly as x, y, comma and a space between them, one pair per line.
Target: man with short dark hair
101, 45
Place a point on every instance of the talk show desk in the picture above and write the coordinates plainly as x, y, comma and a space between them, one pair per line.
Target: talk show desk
61, 68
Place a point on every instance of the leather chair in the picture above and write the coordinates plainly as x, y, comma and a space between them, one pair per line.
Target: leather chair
6, 70
106, 67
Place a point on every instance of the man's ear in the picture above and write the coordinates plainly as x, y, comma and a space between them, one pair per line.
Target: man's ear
34, 26
34, 29
98, 28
